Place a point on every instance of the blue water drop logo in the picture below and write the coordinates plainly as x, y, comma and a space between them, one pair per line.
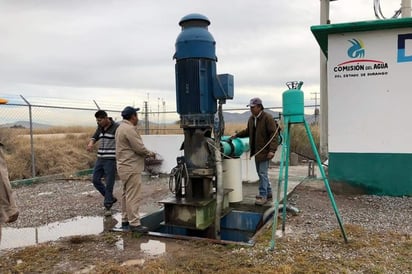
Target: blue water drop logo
357, 49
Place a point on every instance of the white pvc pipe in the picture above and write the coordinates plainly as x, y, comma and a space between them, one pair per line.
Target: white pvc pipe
219, 191
232, 179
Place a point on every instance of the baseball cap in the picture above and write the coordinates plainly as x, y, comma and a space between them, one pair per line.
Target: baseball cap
129, 111
254, 102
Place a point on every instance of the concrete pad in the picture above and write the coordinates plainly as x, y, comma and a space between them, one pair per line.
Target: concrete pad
250, 189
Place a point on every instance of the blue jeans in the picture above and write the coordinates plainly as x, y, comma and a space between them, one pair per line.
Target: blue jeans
264, 184
105, 168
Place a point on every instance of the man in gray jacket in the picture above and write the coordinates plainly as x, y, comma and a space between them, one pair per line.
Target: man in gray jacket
130, 157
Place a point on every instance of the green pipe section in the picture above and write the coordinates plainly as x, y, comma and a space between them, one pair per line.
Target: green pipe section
326, 182
35, 180
234, 147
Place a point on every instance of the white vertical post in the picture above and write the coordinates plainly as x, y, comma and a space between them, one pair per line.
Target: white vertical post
406, 8
324, 19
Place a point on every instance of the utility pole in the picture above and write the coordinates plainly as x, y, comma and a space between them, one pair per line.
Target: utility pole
164, 115
324, 19
146, 119
158, 115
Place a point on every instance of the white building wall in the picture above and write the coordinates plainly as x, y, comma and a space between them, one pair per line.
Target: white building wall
370, 108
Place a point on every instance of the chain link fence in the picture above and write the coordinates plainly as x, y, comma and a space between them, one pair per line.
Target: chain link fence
41, 116
21, 118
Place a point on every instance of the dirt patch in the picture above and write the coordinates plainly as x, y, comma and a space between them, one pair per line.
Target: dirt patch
378, 229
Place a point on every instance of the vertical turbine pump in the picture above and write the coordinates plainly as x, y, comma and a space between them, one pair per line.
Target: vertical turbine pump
198, 91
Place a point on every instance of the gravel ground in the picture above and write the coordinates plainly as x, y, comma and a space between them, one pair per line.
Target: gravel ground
377, 213
53, 201
376, 226
59, 200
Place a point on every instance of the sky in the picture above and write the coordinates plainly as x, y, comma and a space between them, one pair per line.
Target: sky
118, 53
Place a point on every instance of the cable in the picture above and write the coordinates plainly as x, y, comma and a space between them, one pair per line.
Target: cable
270, 140
378, 11
178, 175
210, 143
307, 157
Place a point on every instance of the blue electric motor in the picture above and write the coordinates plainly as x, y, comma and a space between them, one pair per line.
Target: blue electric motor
198, 87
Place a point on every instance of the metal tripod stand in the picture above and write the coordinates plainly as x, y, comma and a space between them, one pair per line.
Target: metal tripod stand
293, 114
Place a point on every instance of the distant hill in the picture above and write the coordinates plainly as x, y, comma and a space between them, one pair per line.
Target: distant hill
231, 117
25, 124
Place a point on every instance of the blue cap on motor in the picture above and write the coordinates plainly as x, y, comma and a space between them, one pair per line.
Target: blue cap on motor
195, 41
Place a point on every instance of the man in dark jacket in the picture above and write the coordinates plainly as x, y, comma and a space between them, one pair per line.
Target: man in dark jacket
262, 132
105, 166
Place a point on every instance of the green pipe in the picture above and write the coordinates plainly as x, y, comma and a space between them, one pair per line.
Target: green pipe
35, 180
234, 147
325, 180
287, 157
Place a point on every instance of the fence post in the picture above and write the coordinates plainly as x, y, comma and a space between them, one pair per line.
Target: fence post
33, 165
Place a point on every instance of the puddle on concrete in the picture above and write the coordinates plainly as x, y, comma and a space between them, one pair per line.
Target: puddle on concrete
20, 237
239, 231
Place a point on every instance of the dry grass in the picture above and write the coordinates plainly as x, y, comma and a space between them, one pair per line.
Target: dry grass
299, 141
54, 154
368, 252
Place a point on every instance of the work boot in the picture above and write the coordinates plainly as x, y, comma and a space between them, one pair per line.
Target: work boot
139, 229
109, 205
260, 200
107, 212
13, 217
